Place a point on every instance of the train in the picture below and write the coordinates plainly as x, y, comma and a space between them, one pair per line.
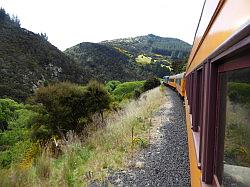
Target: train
176, 82
216, 92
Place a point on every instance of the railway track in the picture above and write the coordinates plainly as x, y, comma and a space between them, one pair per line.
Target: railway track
165, 162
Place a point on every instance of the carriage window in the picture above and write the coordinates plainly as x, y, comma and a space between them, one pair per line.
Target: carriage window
178, 81
236, 106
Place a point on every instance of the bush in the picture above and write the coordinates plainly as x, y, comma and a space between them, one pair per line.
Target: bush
98, 98
111, 85
151, 83
7, 112
137, 93
14, 141
125, 90
62, 106
66, 106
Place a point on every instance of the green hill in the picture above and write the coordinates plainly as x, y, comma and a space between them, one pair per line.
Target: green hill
150, 44
130, 59
28, 60
105, 62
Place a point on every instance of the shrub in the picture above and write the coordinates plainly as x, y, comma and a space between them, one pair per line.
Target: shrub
66, 106
7, 112
137, 93
125, 90
111, 85
151, 83
98, 98
62, 106
14, 140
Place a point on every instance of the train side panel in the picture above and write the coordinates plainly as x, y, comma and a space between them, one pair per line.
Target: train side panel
218, 67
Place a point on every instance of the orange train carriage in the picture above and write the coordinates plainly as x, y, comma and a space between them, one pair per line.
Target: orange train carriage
177, 82
217, 95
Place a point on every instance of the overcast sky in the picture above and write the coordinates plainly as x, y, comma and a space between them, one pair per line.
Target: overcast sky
69, 22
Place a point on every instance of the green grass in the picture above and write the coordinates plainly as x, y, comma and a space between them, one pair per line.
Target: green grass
141, 59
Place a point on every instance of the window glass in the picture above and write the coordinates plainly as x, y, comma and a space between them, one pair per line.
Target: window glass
178, 81
236, 88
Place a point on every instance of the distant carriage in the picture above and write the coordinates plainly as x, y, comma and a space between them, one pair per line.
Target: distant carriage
177, 82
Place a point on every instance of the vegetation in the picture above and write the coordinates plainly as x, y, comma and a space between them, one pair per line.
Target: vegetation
179, 66
28, 61
155, 54
53, 132
5, 19
141, 59
237, 145
111, 85
151, 44
61, 108
239, 92
66, 106
14, 137
106, 63
151, 83
126, 90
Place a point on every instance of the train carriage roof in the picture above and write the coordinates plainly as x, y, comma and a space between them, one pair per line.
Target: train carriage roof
181, 75
219, 21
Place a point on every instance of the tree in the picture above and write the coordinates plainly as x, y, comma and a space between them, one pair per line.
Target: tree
5, 19
2, 15
151, 83
62, 107
15, 21
66, 106
44, 36
99, 98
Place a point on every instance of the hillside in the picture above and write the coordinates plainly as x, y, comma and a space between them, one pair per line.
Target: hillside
130, 59
106, 63
172, 48
27, 60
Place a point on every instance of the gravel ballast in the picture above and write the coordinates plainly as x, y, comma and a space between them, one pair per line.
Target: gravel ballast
165, 162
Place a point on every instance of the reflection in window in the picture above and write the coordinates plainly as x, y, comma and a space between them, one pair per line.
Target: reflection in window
237, 128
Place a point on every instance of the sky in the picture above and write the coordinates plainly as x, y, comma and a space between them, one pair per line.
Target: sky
69, 22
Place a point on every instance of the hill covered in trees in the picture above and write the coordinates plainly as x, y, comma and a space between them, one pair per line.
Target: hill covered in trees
172, 48
106, 63
130, 59
164, 52
28, 60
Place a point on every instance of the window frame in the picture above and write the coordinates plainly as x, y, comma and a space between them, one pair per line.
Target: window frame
228, 66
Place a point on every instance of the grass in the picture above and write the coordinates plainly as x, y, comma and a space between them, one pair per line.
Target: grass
141, 59
90, 157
